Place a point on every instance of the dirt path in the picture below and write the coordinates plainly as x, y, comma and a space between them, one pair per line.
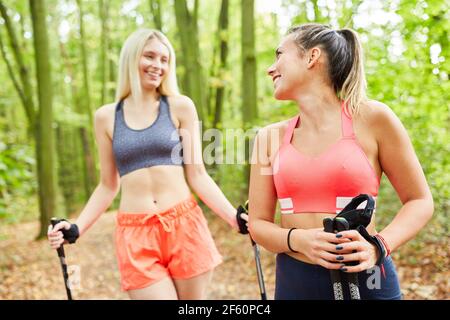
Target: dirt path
30, 269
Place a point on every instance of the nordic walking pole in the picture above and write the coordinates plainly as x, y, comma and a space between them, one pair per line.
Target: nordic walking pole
328, 225
259, 272
341, 224
62, 260
262, 287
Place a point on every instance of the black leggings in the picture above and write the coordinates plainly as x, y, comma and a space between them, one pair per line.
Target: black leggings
297, 280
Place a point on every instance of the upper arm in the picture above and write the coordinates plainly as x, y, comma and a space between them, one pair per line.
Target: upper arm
398, 158
109, 175
262, 193
190, 136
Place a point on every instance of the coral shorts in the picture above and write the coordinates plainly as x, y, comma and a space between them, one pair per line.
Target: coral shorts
175, 243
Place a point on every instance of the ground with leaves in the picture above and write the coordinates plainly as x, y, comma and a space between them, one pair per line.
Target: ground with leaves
30, 269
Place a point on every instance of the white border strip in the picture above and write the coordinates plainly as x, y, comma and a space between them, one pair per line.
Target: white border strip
286, 205
341, 202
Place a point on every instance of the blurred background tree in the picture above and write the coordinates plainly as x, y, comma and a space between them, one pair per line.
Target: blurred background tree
223, 50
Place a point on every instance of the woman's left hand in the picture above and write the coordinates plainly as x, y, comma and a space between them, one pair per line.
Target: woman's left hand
358, 249
244, 216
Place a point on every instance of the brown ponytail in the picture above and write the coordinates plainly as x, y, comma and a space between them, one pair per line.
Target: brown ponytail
345, 60
353, 90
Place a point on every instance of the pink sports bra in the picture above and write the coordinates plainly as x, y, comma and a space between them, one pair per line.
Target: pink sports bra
324, 183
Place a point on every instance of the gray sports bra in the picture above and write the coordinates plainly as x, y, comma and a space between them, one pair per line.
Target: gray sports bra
158, 144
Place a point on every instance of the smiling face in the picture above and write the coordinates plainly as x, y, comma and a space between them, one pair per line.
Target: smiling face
153, 64
289, 70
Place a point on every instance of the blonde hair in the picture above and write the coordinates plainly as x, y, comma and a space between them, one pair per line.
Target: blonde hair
129, 82
345, 60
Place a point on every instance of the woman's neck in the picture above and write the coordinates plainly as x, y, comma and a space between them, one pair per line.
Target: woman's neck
147, 97
318, 107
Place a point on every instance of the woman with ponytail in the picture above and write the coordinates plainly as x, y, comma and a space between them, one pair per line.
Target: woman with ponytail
336, 148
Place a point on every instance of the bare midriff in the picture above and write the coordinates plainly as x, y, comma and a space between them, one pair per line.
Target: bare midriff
154, 189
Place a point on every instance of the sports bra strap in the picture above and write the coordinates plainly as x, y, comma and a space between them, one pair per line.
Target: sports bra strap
119, 105
164, 106
290, 130
347, 124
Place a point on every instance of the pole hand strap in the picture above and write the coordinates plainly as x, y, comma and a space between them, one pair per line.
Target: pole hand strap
241, 222
70, 235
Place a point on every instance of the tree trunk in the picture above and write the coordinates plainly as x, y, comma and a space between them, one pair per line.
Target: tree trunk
67, 168
223, 44
27, 92
104, 16
44, 128
155, 8
317, 16
112, 72
249, 106
89, 146
12, 75
193, 79
248, 85
88, 161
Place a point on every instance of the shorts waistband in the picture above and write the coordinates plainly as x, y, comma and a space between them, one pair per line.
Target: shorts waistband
142, 219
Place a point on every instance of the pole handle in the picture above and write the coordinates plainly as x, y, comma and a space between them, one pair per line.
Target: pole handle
54, 221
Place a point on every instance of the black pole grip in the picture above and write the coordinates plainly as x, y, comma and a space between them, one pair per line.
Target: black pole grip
341, 225
60, 250
328, 226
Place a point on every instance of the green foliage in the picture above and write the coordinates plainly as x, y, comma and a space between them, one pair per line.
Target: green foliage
415, 85
17, 181
404, 66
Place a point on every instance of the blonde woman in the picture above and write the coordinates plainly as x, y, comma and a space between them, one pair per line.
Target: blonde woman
335, 149
149, 145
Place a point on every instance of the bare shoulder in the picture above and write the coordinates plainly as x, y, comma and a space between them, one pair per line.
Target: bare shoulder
277, 127
274, 132
104, 117
377, 114
182, 109
269, 138
382, 120
105, 112
181, 103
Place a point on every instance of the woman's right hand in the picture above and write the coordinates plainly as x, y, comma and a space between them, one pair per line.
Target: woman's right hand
318, 246
55, 236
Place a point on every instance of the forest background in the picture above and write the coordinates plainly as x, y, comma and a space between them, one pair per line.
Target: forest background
59, 61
